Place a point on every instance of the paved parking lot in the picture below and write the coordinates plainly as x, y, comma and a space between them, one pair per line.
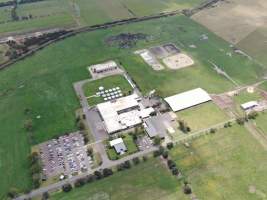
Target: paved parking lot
144, 143
66, 155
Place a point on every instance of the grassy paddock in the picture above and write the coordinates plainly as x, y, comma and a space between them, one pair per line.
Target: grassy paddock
149, 180
91, 88
224, 165
202, 116
261, 122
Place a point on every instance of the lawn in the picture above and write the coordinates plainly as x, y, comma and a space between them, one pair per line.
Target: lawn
230, 164
150, 180
43, 82
202, 116
91, 88
130, 145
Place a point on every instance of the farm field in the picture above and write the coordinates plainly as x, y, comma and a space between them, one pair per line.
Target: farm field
91, 88
202, 116
150, 180
46, 14
66, 13
255, 44
146, 7
43, 83
229, 164
234, 20
260, 122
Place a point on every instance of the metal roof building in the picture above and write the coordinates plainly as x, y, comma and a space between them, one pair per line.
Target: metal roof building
249, 105
118, 145
188, 99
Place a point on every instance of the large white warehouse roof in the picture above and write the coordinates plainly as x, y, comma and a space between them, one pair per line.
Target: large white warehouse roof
187, 99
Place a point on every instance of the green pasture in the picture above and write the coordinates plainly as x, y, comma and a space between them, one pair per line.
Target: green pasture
202, 116
261, 122
150, 180
229, 164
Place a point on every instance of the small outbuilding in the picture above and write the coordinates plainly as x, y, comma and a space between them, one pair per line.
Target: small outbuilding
249, 105
118, 145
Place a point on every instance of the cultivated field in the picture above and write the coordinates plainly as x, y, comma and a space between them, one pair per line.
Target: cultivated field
234, 20
255, 44
66, 13
91, 88
202, 116
227, 165
43, 82
150, 180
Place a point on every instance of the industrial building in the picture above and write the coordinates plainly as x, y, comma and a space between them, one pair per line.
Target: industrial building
104, 67
123, 113
187, 99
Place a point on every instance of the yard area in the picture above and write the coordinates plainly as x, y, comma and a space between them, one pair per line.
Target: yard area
149, 180
202, 116
43, 82
130, 145
91, 88
230, 164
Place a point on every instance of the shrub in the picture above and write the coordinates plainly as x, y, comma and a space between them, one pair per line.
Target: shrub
187, 189
165, 154
156, 153
144, 158
107, 172
67, 187
136, 161
170, 145
175, 171
98, 174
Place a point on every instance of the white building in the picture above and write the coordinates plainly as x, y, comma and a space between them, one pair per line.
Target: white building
188, 99
118, 145
104, 67
122, 113
249, 105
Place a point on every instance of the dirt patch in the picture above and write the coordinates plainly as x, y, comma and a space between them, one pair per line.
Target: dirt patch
178, 61
223, 101
126, 40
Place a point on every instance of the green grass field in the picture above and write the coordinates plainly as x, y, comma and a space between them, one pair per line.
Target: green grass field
264, 86
3, 49
261, 122
149, 180
45, 14
225, 165
43, 82
202, 116
91, 88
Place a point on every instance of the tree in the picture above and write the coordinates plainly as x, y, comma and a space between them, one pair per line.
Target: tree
13, 192
252, 115
165, 154
171, 164
144, 158
175, 171
183, 126
170, 145
156, 153
136, 161
241, 120
187, 189
28, 125
107, 172
127, 164
157, 140
45, 196
98, 174
67, 187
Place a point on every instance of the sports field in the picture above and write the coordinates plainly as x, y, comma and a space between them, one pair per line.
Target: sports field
43, 82
202, 116
91, 88
150, 180
227, 165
